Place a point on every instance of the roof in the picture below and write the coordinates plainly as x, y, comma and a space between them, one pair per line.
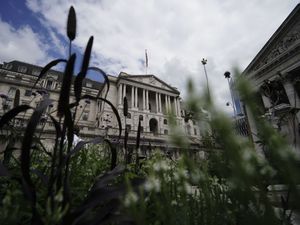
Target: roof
30, 70
126, 75
292, 18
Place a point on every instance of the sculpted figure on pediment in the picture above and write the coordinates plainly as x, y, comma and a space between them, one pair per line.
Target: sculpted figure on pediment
281, 46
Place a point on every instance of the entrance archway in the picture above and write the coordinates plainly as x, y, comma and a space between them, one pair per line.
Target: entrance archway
153, 126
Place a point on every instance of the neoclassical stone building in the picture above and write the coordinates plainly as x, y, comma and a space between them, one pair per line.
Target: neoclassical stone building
149, 99
275, 71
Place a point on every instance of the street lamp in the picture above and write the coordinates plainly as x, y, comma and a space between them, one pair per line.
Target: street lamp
204, 62
228, 77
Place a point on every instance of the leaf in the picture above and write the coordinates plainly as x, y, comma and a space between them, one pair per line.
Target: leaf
26, 146
28, 187
70, 126
82, 74
127, 157
138, 145
41, 175
17, 98
104, 75
138, 137
112, 107
125, 107
47, 68
13, 113
71, 24
81, 144
64, 95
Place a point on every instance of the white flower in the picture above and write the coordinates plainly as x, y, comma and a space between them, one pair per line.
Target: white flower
161, 165
130, 198
174, 202
188, 188
152, 184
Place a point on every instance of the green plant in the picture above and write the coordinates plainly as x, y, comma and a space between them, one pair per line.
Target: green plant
70, 184
230, 185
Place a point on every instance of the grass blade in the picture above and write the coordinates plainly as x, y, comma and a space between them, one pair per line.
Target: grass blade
13, 113
17, 98
82, 74
125, 107
115, 111
104, 75
47, 68
64, 95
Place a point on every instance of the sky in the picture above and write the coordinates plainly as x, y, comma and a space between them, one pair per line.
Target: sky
177, 35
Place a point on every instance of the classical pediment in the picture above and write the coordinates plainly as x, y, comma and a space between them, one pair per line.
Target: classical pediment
285, 39
149, 80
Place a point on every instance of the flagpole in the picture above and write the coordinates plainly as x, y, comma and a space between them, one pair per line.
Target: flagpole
146, 62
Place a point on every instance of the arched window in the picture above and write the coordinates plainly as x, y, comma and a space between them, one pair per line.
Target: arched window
165, 121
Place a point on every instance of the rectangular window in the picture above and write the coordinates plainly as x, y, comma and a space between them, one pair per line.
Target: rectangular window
85, 116
28, 93
49, 84
22, 69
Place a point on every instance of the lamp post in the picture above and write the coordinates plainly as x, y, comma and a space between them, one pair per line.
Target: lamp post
204, 62
228, 77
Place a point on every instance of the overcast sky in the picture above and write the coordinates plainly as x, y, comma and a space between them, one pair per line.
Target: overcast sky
176, 33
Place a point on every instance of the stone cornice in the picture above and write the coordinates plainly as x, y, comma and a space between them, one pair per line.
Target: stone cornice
285, 38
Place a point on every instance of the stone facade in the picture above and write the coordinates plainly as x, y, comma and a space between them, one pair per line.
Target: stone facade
149, 98
275, 72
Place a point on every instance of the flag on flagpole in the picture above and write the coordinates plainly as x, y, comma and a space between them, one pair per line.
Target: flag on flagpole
146, 55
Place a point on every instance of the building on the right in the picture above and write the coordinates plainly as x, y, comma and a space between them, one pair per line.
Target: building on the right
275, 72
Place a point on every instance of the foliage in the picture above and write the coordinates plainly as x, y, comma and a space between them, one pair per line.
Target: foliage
230, 185
79, 184
88, 183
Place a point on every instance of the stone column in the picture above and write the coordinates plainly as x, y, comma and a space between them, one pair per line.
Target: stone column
144, 100
120, 94
178, 107
166, 103
175, 106
124, 90
159, 101
156, 102
136, 97
132, 97
147, 99
169, 103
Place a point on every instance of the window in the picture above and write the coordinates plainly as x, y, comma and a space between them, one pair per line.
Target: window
49, 84
129, 115
128, 127
166, 132
165, 121
195, 131
141, 117
88, 84
7, 66
35, 72
12, 91
85, 116
28, 93
22, 69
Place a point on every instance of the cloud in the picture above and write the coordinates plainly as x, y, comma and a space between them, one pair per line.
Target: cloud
21, 44
177, 35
